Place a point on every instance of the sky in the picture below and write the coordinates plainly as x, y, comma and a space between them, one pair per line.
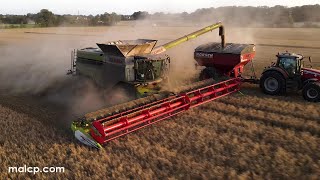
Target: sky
94, 7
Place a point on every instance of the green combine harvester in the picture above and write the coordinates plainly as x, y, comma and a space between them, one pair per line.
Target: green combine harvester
137, 67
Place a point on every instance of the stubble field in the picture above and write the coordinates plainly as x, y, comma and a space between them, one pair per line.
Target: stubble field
242, 136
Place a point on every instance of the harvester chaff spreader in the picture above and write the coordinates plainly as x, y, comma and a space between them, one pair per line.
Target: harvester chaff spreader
141, 68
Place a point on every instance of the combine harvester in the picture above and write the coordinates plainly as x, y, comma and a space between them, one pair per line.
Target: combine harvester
140, 68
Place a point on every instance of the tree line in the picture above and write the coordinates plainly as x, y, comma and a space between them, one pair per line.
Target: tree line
46, 18
263, 16
277, 16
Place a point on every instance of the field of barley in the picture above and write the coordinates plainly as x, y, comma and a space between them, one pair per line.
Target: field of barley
246, 135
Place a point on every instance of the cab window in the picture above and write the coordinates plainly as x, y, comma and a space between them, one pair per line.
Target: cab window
288, 64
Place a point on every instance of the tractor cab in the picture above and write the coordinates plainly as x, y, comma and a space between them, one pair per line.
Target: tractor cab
291, 63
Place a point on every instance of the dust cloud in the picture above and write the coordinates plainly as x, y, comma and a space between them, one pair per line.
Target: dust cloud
37, 65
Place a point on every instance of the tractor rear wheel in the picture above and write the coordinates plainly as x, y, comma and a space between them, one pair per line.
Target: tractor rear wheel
311, 92
272, 83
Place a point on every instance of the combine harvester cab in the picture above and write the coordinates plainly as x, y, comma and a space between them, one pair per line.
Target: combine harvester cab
104, 125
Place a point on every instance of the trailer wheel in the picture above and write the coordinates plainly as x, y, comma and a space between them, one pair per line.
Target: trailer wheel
311, 92
208, 73
272, 83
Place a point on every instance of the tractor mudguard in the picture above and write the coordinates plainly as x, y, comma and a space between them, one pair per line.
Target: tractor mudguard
309, 81
277, 69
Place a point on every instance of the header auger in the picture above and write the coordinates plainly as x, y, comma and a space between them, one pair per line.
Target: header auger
141, 66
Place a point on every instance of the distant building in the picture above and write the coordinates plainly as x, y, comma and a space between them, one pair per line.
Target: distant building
127, 17
306, 24
31, 22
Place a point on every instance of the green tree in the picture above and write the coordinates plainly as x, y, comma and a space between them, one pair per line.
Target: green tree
140, 15
114, 18
45, 18
94, 20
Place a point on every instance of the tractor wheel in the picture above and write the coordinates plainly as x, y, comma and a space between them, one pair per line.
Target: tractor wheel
273, 83
311, 92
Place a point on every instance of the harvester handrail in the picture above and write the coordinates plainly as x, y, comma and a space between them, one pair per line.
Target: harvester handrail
193, 35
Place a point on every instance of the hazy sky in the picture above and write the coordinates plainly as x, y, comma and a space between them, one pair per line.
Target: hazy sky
130, 6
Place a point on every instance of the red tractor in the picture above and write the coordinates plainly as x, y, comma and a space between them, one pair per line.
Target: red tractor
288, 73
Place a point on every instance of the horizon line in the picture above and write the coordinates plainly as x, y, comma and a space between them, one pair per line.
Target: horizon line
73, 14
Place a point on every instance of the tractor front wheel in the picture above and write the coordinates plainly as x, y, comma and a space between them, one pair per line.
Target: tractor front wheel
311, 92
272, 83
